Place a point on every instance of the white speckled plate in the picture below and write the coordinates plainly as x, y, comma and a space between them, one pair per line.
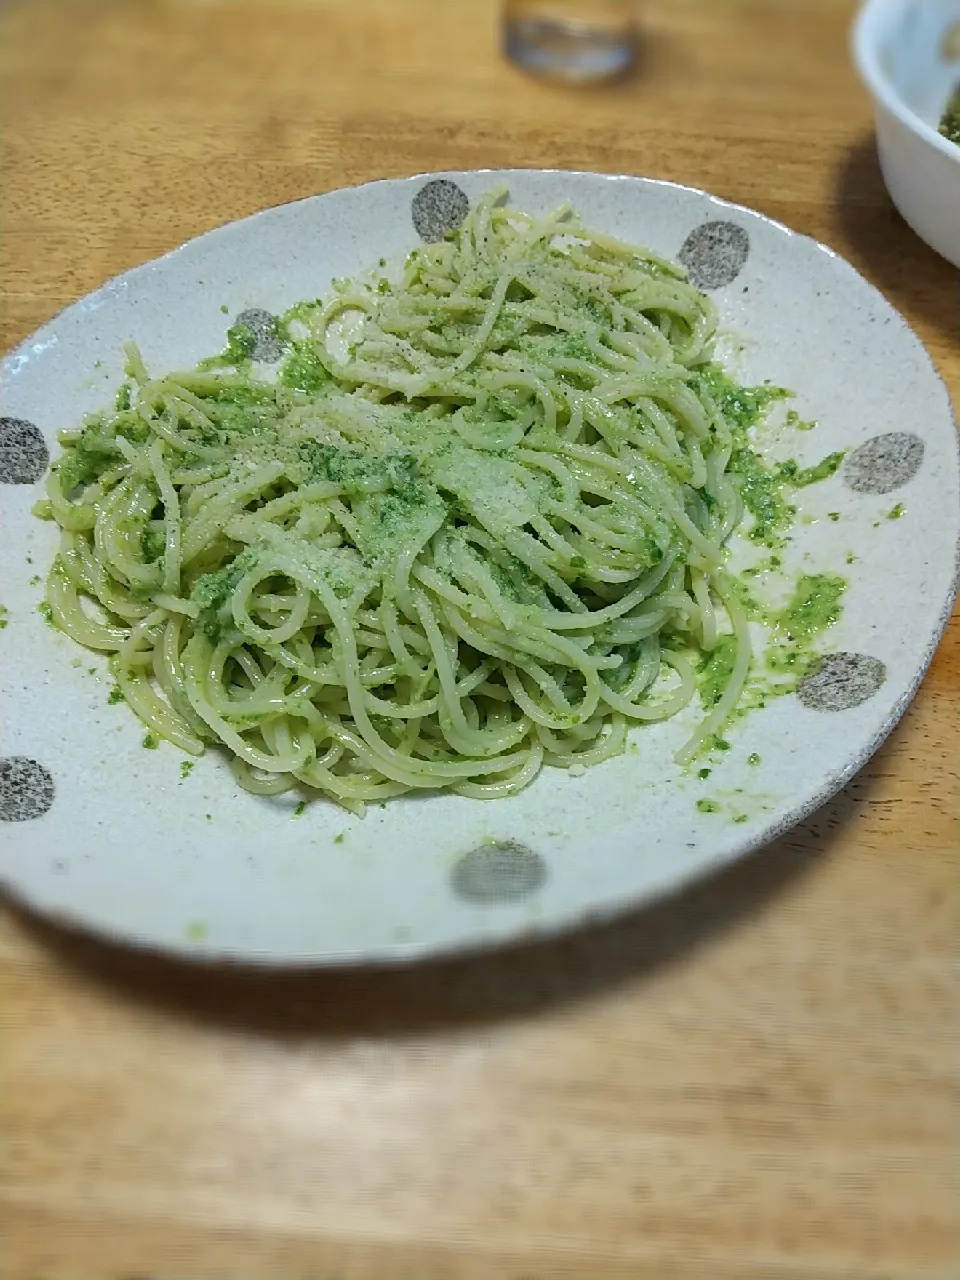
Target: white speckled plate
100, 832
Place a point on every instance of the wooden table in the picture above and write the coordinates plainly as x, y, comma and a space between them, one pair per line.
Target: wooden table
757, 1080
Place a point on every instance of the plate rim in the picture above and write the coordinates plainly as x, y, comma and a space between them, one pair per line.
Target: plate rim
392, 955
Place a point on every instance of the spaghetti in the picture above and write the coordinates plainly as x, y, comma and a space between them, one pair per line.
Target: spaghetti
480, 531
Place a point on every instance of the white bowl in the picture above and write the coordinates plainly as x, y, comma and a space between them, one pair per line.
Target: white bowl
905, 52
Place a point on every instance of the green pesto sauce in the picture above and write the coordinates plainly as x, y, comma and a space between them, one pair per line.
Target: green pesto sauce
339, 838
753, 759
754, 610
762, 494
762, 487
46, 612
303, 369
743, 407
186, 768
92, 453
822, 470
115, 696
789, 661
151, 742
896, 512
799, 424
153, 543
238, 352
4, 616
241, 341
715, 670
301, 808
950, 124
212, 593
703, 774
762, 490
708, 806
815, 606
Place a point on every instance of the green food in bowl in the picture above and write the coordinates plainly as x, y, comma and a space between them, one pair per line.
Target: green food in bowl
950, 124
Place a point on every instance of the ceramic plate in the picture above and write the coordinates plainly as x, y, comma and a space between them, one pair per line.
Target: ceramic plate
103, 833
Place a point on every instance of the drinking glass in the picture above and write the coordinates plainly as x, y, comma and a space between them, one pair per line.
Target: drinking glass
577, 40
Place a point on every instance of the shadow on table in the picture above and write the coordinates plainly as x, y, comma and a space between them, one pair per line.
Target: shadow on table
898, 262
511, 982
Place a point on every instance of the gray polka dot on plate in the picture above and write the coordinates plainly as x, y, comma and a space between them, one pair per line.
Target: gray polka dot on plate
437, 208
841, 681
26, 789
884, 463
267, 346
714, 254
23, 452
503, 871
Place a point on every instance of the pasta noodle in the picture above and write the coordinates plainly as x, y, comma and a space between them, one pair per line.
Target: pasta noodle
475, 526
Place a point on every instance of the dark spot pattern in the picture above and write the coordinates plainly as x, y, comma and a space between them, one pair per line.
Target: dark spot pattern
884, 463
26, 789
437, 208
841, 681
24, 455
714, 254
503, 871
267, 347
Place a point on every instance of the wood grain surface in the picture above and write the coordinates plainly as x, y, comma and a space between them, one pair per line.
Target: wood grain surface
759, 1079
